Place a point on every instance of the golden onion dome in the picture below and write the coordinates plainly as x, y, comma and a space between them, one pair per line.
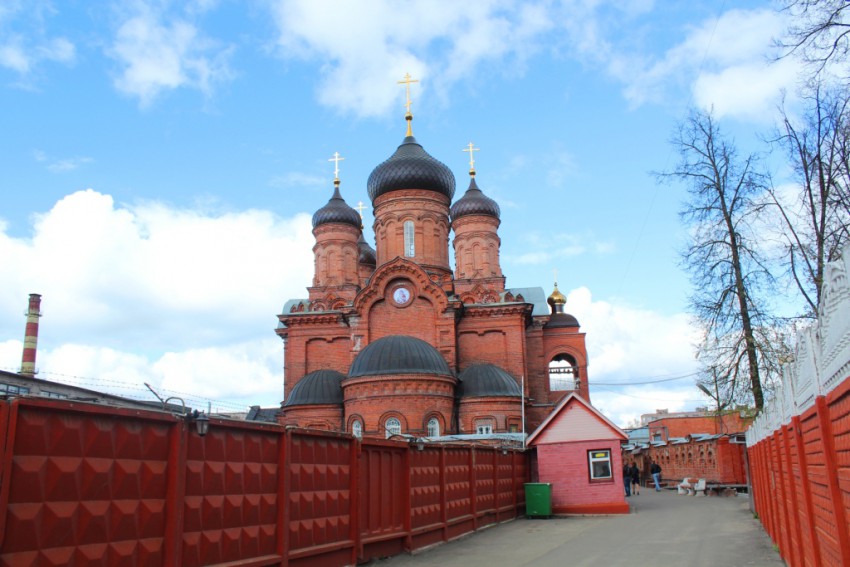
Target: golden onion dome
557, 298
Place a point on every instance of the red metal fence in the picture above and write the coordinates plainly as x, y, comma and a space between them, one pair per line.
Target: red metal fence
799, 446
801, 482
88, 485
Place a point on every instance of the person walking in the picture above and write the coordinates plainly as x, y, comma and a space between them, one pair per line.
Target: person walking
627, 478
634, 473
655, 471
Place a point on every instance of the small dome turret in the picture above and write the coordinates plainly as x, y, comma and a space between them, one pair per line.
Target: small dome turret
557, 298
558, 318
474, 202
336, 211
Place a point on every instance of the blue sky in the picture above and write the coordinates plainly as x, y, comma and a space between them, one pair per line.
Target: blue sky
161, 162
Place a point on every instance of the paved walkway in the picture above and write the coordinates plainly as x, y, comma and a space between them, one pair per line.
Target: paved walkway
663, 529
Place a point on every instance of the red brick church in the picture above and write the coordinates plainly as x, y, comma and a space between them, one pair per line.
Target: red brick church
395, 340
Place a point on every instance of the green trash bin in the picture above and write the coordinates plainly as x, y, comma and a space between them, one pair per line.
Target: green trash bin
538, 499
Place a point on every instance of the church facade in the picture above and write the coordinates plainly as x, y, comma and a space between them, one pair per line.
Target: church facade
395, 340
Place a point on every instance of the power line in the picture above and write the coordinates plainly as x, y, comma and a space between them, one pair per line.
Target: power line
592, 383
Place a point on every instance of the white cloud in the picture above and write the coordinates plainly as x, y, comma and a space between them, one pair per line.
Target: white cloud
627, 345
23, 53
149, 293
12, 56
297, 179
158, 56
728, 62
365, 49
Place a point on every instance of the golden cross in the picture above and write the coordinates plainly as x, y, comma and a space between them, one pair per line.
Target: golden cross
556, 277
406, 82
360, 208
471, 148
336, 159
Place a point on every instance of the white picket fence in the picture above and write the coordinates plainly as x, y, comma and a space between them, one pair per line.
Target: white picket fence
821, 358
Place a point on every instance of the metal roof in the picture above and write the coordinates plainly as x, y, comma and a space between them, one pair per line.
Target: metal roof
411, 167
319, 387
480, 380
399, 354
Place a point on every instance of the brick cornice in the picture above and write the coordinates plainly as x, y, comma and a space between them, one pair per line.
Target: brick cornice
498, 310
312, 318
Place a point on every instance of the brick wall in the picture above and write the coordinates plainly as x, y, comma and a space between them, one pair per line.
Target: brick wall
719, 461
566, 466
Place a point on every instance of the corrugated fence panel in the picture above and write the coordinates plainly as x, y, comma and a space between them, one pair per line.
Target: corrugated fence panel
485, 486
839, 408
824, 520
383, 498
86, 485
426, 497
505, 494
230, 505
320, 499
458, 475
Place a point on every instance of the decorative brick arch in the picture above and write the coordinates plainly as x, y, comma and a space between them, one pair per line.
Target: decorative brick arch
395, 269
441, 421
480, 295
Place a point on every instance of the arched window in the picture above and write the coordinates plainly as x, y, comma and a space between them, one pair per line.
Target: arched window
392, 427
409, 239
563, 373
357, 428
433, 427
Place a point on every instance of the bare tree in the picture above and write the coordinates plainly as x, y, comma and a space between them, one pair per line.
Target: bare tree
819, 33
817, 216
722, 256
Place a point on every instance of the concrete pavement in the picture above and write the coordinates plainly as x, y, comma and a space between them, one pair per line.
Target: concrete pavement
663, 529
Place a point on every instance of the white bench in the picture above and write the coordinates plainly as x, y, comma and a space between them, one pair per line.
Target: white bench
692, 486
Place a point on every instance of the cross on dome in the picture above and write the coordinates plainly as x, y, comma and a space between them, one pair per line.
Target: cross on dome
408, 116
336, 159
471, 148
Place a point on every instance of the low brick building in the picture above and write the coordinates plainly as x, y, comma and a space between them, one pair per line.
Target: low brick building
393, 340
577, 450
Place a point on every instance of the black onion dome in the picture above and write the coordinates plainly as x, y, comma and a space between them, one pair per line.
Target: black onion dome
481, 380
399, 354
367, 253
558, 320
337, 210
410, 167
474, 202
319, 387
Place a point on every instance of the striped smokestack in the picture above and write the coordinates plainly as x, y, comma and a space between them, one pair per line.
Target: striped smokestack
31, 336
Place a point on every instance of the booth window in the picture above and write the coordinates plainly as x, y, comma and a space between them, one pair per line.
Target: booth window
600, 464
